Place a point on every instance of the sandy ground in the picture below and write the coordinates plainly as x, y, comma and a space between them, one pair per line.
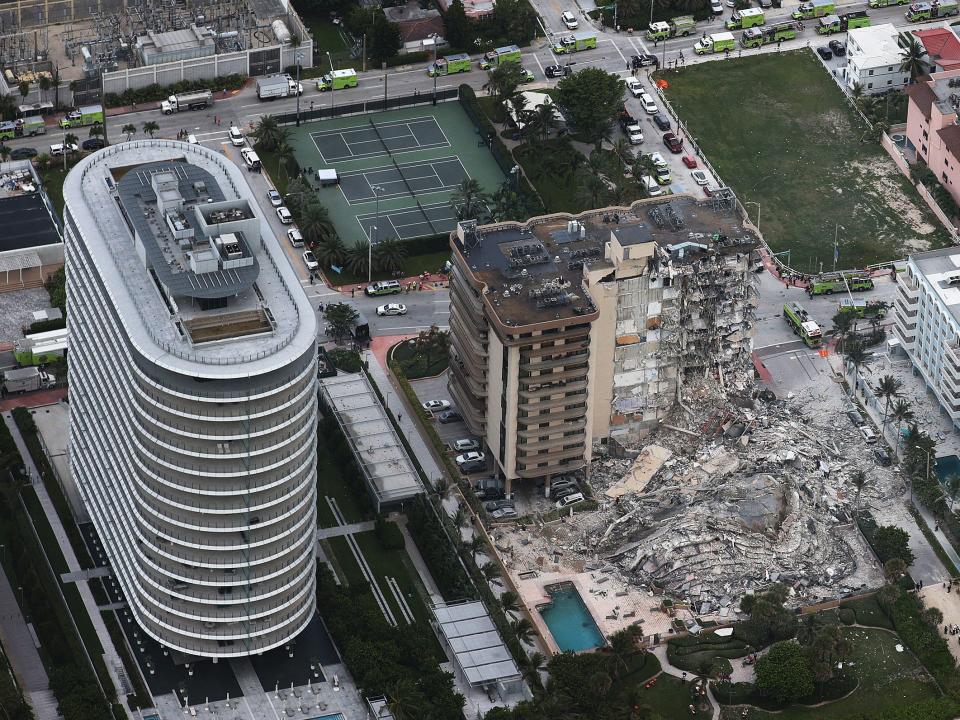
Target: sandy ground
949, 604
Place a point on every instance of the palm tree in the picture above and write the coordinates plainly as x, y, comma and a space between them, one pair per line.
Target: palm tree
523, 631
953, 487
356, 257
531, 666
315, 223
490, 571
460, 518
894, 569
329, 251
44, 84
623, 644
545, 119
913, 56
400, 700
856, 356
592, 189
389, 255
150, 127
643, 165
503, 81
268, 134
129, 130
96, 130
298, 195
887, 389
510, 602
843, 327
623, 150
284, 156
4, 152
859, 481
901, 413
469, 198
856, 93
24, 88
475, 546
70, 139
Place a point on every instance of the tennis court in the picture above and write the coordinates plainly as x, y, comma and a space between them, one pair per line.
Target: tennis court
409, 223
380, 138
393, 181
415, 157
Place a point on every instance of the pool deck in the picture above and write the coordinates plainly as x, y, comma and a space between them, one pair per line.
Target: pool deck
607, 610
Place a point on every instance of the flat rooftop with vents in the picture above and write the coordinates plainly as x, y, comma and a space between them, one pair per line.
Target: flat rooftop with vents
31, 245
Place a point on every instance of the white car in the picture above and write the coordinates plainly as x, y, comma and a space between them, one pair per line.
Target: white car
61, 149
310, 261
635, 87
285, 217
466, 444
504, 513
434, 405
634, 134
570, 20
658, 160
275, 198
699, 177
649, 106
295, 237
717, 7
467, 457
569, 500
392, 309
236, 137
250, 159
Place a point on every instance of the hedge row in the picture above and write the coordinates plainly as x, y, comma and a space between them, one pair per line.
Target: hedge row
156, 93
434, 546
46, 325
926, 640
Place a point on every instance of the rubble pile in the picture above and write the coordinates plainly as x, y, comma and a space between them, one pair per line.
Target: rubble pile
738, 493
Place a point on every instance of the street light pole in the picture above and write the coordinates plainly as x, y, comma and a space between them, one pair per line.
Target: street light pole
330, 60
299, 58
376, 231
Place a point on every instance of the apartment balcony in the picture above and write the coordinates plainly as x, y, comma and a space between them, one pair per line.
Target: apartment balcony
578, 423
908, 290
553, 467
531, 354
465, 321
908, 310
543, 363
473, 410
907, 331
573, 371
550, 414
549, 403
550, 444
569, 334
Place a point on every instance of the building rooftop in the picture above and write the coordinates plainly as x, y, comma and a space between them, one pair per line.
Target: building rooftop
479, 650
942, 47
194, 40
26, 215
534, 272
875, 43
938, 267
199, 280
944, 92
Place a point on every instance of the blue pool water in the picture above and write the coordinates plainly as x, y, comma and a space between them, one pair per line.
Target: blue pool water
335, 716
946, 466
569, 620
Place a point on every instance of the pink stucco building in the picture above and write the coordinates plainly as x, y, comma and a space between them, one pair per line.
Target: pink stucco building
932, 128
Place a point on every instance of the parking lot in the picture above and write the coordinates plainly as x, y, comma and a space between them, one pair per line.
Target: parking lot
681, 176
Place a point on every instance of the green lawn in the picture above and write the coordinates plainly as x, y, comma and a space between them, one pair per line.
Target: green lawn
331, 481
780, 133
413, 265
52, 179
670, 699
327, 38
887, 679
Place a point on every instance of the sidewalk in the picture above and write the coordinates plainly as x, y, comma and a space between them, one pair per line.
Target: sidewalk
35, 399
661, 653
110, 656
428, 282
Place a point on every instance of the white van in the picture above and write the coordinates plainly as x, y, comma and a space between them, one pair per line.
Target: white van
236, 137
570, 20
569, 500
651, 186
250, 158
868, 434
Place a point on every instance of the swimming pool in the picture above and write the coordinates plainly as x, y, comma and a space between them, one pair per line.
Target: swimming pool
946, 466
569, 621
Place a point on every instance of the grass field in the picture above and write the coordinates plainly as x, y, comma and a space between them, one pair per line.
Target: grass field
415, 366
887, 679
780, 133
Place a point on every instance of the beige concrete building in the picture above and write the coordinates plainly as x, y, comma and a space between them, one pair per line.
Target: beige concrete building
570, 329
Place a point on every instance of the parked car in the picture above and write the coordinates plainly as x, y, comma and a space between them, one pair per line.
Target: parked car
824, 52
487, 493
868, 434
449, 416
562, 483
295, 237
634, 86
690, 161
285, 217
882, 457
63, 149
699, 177
434, 405
661, 121
716, 7
392, 309
570, 20
563, 492
855, 417
491, 505
466, 444
475, 466
236, 137
839, 49
569, 500
557, 70
275, 198
93, 143
473, 456
649, 106
23, 153
310, 261
645, 60
504, 514
526, 76
673, 143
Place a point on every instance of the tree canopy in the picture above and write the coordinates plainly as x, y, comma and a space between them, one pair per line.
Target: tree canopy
784, 673
890, 541
591, 99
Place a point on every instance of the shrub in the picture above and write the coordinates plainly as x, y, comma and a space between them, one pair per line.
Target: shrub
410, 58
56, 286
847, 616
345, 360
389, 535
435, 548
155, 92
46, 325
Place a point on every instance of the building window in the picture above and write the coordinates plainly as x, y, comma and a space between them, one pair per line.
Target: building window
870, 73
870, 85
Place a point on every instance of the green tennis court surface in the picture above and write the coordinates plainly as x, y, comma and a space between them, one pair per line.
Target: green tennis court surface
412, 158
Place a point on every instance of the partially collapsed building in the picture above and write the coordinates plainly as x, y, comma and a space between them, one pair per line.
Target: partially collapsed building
570, 329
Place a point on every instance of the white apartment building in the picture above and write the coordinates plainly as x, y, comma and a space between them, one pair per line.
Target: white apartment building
874, 58
193, 397
928, 322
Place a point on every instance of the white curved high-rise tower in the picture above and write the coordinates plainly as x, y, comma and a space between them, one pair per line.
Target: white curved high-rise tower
193, 395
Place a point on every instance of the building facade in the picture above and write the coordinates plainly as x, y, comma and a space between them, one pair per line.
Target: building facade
566, 330
193, 374
932, 131
874, 59
927, 323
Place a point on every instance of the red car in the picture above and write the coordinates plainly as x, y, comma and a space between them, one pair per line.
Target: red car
690, 161
673, 143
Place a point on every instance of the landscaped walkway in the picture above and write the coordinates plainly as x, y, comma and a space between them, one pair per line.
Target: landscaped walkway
661, 653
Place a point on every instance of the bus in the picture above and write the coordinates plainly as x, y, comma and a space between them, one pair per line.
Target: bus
799, 320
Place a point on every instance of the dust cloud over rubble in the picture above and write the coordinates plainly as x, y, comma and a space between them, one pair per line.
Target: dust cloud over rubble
733, 493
